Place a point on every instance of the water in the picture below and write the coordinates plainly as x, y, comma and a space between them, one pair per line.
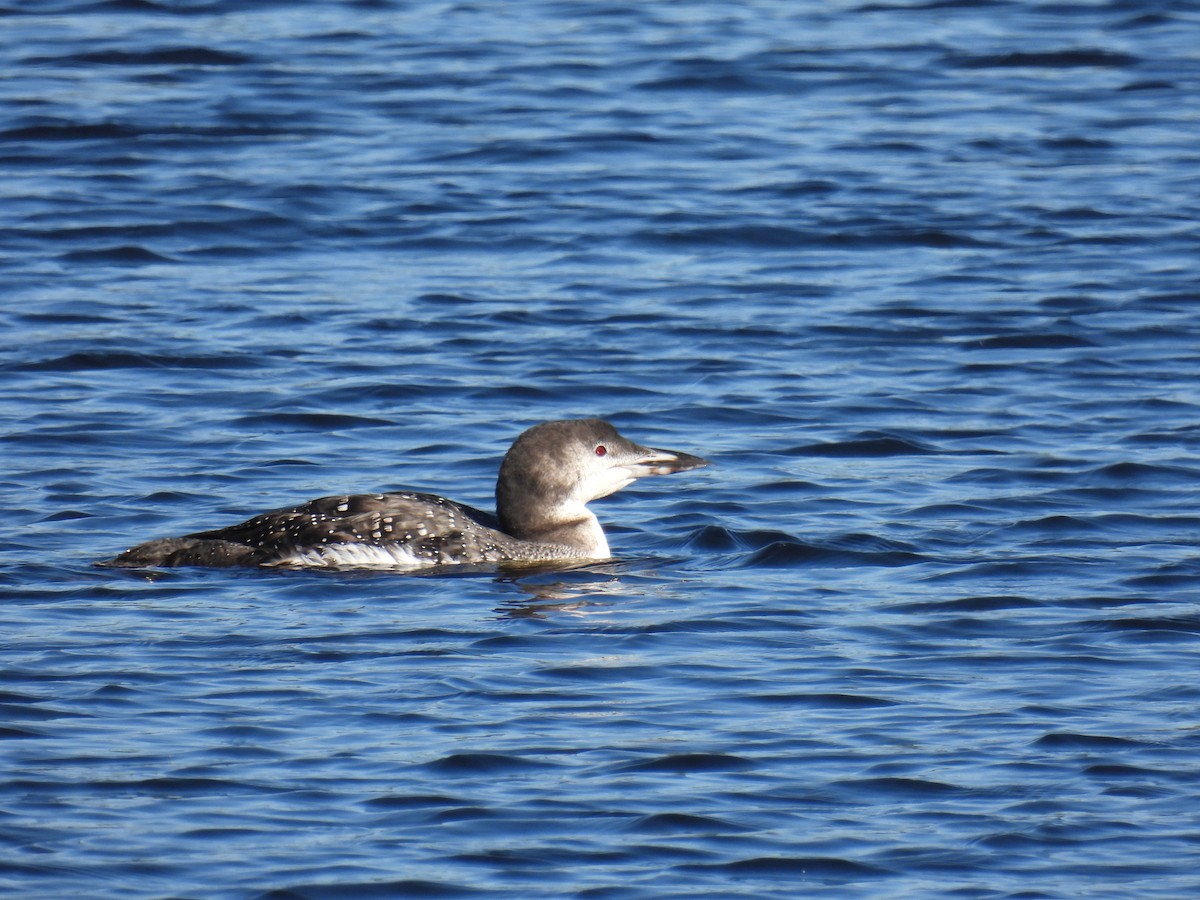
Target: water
919, 278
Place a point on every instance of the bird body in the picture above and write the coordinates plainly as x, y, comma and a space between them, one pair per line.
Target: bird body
546, 480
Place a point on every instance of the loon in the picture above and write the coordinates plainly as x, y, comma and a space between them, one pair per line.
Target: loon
546, 480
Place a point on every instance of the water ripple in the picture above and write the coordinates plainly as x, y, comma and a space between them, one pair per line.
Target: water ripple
919, 278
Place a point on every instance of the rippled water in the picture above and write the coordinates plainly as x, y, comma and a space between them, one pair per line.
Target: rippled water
920, 278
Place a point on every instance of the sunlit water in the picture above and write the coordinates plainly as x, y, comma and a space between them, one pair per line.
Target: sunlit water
920, 279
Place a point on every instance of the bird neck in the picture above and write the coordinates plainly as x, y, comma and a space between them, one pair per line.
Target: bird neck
573, 526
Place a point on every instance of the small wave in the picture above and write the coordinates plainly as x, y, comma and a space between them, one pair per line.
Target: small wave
1056, 526
127, 255
1036, 341
900, 787
786, 554
750, 235
66, 515
1022, 842
1082, 143
1170, 624
62, 130
598, 673
167, 56
871, 445
771, 548
1066, 740
772, 237
823, 701
66, 130
338, 890
1128, 472
794, 867
1054, 59
611, 140
65, 318
972, 605
717, 82
1167, 577
713, 538
483, 764
719, 76
245, 733
682, 823
98, 360
175, 786
1149, 85
312, 421
413, 801
11, 732
692, 762
213, 223
1115, 770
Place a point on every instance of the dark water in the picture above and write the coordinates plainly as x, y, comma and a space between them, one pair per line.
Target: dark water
920, 278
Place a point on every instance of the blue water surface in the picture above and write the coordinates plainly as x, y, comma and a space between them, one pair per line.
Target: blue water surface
919, 278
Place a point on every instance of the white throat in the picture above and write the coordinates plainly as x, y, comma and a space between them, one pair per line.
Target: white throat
597, 543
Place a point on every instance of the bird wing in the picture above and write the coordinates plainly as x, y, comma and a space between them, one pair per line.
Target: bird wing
430, 528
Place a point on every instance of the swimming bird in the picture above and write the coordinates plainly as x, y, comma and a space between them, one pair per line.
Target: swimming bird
549, 475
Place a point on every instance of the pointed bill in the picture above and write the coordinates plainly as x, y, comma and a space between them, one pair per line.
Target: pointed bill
663, 462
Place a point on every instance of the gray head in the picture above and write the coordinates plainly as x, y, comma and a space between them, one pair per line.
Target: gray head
552, 470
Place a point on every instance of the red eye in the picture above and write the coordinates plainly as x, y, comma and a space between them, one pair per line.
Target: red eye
601, 450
